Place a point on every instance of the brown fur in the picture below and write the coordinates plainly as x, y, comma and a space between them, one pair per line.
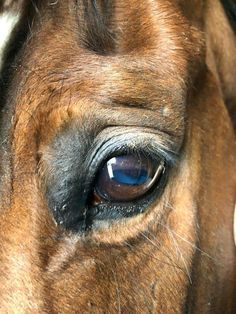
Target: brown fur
140, 64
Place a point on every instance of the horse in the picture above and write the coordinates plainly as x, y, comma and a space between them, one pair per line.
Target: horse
117, 163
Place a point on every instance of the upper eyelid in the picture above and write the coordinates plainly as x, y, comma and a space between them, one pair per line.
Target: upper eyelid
136, 138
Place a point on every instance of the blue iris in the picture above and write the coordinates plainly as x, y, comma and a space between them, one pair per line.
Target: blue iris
132, 178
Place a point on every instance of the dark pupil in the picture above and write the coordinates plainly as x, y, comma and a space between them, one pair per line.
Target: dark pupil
125, 178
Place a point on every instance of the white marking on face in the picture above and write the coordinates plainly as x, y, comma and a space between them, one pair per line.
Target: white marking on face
165, 111
8, 21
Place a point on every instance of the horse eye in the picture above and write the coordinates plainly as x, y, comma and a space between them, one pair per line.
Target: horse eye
126, 178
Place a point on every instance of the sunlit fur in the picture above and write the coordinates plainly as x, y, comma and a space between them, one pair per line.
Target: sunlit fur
90, 70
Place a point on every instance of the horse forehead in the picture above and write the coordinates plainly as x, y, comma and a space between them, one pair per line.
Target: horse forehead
151, 52
154, 44
116, 28
142, 52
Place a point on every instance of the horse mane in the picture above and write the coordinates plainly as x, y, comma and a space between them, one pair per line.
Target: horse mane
230, 9
95, 19
97, 29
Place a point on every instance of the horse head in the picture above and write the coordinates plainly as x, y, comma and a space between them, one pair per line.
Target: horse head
118, 157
